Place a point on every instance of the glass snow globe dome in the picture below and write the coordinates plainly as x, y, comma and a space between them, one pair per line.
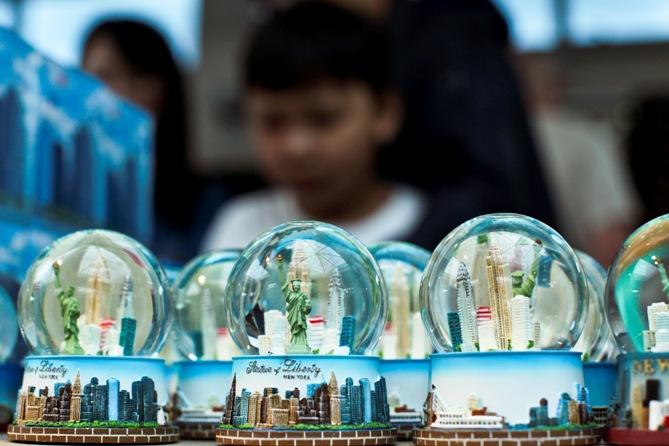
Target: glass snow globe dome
10, 329
596, 342
95, 292
503, 282
402, 265
199, 291
637, 289
306, 287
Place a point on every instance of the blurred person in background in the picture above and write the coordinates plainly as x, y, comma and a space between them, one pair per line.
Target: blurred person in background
320, 105
647, 151
134, 60
465, 140
589, 181
466, 135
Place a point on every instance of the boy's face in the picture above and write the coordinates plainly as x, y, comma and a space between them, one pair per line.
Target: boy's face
320, 140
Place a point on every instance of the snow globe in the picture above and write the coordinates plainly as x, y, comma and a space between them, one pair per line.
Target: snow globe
10, 373
94, 307
203, 378
637, 301
597, 345
306, 305
504, 299
405, 344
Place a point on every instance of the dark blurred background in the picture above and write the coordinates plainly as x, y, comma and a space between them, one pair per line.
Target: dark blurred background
558, 109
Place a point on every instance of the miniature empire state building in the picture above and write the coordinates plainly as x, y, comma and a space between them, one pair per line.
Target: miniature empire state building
298, 269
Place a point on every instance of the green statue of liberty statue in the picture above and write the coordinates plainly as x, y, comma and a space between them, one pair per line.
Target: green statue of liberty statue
298, 306
70, 311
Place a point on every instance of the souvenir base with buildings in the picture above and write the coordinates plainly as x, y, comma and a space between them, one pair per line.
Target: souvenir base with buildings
67, 400
643, 412
573, 421
324, 401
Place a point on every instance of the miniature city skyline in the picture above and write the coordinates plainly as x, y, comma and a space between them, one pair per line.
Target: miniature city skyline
94, 402
506, 322
330, 334
91, 332
656, 338
324, 404
570, 410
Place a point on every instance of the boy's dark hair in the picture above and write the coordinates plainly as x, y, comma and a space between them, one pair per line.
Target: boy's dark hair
315, 41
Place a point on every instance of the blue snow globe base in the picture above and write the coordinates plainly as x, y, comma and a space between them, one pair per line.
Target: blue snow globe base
509, 384
200, 395
601, 379
407, 381
351, 386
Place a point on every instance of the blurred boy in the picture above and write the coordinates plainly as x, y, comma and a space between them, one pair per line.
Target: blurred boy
320, 105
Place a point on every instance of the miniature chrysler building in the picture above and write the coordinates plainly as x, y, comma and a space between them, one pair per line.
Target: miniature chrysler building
465, 302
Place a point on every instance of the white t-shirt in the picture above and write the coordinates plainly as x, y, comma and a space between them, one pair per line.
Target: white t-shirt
243, 219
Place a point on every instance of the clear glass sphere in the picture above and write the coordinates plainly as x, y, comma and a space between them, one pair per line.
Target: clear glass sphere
637, 289
200, 306
503, 282
402, 265
596, 342
9, 331
95, 292
306, 287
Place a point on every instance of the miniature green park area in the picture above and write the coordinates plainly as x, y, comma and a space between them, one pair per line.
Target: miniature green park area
92, 424
313, 427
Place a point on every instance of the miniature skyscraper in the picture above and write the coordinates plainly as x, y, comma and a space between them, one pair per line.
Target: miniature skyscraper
347, 332
521, 323
94, 310
486, 329
479, 272
454, 330
298, 269
465, 302
335, 310
127, 317
499, 288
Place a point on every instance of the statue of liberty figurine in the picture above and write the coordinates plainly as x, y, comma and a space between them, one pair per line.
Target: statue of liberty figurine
298, 307
70, 311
